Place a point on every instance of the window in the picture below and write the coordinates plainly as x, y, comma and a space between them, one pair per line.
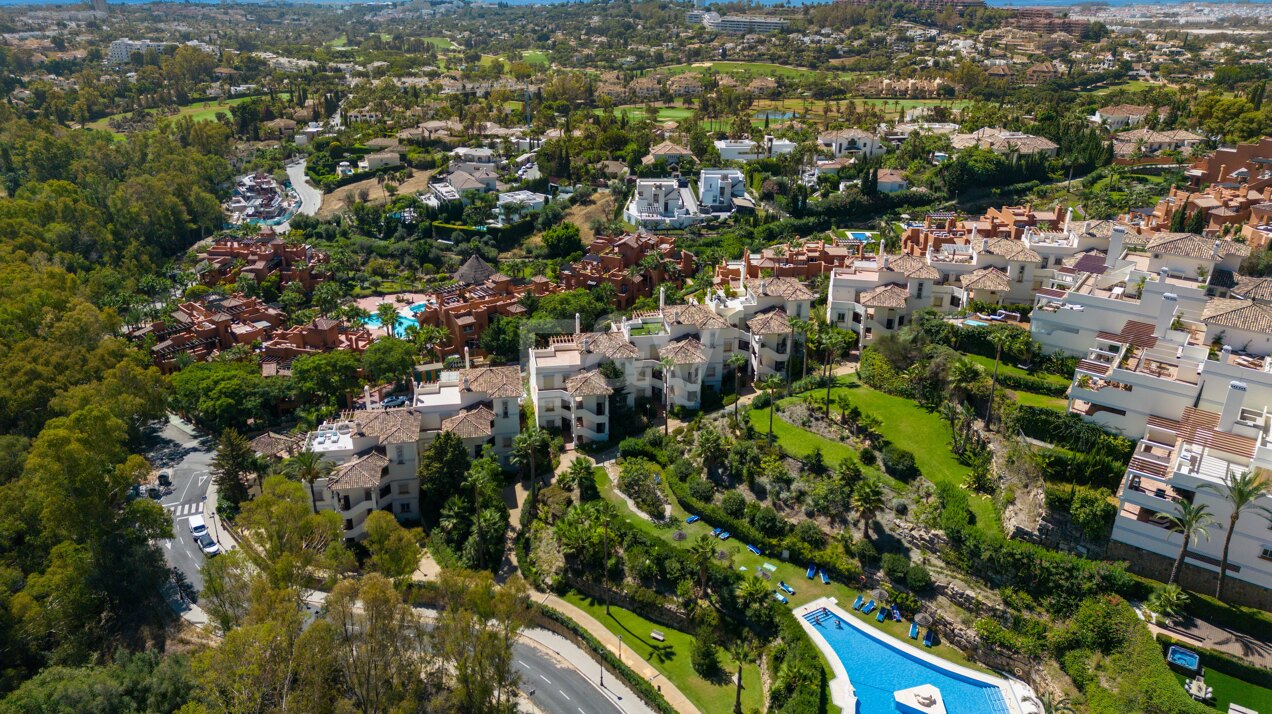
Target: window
710, 371
839, 317
505, 409
348, 524
404, 489
780, 366
1020, 274
901, 321
507, 442
600, 428
468, 328
869, 333
888, 324
1045, 259
856, 317
404, 508
398, 454
918, 291
366, 494
693, 397
1266, 552
938, 302
549, 407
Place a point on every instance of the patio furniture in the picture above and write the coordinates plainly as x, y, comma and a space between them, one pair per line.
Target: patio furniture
658, 635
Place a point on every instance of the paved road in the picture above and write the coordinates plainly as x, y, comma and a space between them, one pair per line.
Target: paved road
310, 197
556, 688
189, 459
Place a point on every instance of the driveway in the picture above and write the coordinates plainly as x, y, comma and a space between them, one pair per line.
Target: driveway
188, 457
310, 197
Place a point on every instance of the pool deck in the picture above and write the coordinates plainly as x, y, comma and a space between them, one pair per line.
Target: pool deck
844, 696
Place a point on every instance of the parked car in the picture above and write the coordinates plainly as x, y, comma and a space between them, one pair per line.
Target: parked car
207, 545
395, 401
154, 493
198, 527
165, 478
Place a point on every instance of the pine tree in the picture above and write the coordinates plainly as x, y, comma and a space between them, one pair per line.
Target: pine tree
1196, 222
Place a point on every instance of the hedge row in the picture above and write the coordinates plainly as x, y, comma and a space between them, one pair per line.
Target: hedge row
1032, 384
874, 370
639, 684
1071, 432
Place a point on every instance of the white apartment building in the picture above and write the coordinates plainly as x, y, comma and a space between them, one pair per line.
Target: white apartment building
1190, 458
879, 295
742, 24
479, 404
749, 150
121, 50
679, 350
662, 203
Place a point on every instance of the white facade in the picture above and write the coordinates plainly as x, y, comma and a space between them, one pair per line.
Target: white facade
717, 189
662, 203
742, 24
853, 143
121, 50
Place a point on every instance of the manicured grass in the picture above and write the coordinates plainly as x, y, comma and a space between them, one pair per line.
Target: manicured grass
340, 41
765, 69
673, 658
1134, 85
535, 57
905, 424
200, 111
1007, 368
1230, 690
440, 43
1030, 399
637, 111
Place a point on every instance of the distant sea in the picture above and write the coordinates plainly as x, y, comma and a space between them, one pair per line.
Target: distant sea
994, 3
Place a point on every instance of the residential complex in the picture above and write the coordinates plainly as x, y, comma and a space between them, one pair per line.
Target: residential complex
263, 256
634, 263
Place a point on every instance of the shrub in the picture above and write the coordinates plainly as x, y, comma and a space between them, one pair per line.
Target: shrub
873, 369
761, 401
918, 579
900, 507
896, 566
808, 532
705, 657
701, 489
637, 448
906, 602
636, 479
899, 463
733, 503
767, 521
865, 551
868, 456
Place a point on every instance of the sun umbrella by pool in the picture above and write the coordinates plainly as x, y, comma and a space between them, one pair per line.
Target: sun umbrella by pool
923, 619
879, 594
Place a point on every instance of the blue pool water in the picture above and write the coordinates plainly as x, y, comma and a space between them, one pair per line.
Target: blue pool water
1183, 658
975, 323
373, 323
419, 307
877, 669
859, 235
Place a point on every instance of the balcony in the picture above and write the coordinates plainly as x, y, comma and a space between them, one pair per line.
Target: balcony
1154, 494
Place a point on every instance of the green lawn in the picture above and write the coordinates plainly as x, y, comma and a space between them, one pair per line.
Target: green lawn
1006, 368
1134, 85
637, 111
793, 574
440, 43
1030, 399
1230, 690
672, 658
340, 41
765, 69
199, 111
535, 57
906, 425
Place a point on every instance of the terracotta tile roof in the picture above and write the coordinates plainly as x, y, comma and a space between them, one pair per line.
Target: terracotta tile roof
667, 148
275, 445
1239, 314
693, 314
770, 322
471, 424
686, 350
985, 279
588, 384
890, 295
364, 472
611, 344
392, 426
1253, 288
788, 288
1013, 250
1191, 245
847, 134
494, 381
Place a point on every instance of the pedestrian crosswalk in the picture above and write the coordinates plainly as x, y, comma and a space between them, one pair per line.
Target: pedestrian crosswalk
185, 509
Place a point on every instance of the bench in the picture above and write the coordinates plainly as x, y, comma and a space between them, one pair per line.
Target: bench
658, 635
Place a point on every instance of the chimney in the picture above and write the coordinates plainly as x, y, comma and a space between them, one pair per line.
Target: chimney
1223, 171
1232, 405
1068, 218
1218, 246
1116, 241
468, 362
577, 324
366, 395
1165, 314
662, 298
984, 246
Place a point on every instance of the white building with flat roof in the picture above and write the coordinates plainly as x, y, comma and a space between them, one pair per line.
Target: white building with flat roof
122, 50
663, 203
743, 24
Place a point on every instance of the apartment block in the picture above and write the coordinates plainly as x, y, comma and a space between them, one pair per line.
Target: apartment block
625, 262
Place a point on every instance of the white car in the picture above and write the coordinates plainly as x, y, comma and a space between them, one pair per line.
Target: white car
198, 527
207, 545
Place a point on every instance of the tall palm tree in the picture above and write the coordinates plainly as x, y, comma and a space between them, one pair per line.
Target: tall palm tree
667, 366
737, 363
742, 652
835, 341
1241, 491
308, 466
388, 315
999, 339
868, 499
1190, 519
800, 328
1052, 705
525, 452
771, 384
701, 553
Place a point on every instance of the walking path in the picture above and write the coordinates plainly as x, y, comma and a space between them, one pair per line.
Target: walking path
1200, 633
674, 696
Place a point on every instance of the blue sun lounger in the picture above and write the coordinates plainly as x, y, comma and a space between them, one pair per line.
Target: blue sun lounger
693, 519
914, 631
788, 589
725, 535
812, 570
869, 608
717, 531
883, 614
825, 578
928, 638
896, 614
856, 605
780, 597
753, 549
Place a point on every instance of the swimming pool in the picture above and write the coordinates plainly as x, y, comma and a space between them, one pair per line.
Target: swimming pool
419, 307
859, 235
878, 666
975, 323
373, 323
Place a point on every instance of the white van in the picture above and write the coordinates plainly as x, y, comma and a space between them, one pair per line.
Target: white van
197, 527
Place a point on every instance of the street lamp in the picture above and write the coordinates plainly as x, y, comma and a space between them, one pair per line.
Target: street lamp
620, 648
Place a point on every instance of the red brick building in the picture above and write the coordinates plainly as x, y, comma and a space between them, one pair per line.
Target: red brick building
618, 261
261, 256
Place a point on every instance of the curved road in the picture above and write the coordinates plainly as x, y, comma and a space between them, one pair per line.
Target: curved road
175, 447
310, 197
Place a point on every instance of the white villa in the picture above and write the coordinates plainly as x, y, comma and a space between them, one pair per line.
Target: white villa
662, 203
721, 190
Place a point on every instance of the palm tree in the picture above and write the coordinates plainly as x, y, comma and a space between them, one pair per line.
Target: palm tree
1051, 705
667, 366
998, 338
1168, 601
868, 498
1190, 519
737, 363
605, 513
742, 653
753, 591
800, 327
388, 315
308, 466
1241, 492
771, 383
525, 452
963, 374
835, 341
701, 553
